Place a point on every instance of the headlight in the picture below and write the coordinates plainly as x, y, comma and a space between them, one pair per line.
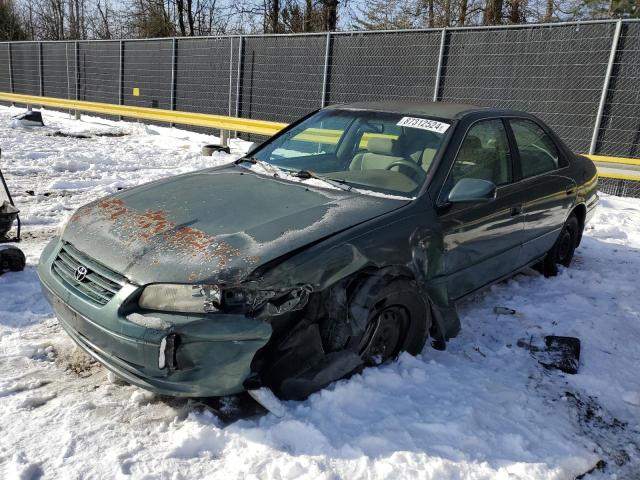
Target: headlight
169, 297
181, 298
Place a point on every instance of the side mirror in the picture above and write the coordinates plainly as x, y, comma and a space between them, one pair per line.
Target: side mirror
472, 190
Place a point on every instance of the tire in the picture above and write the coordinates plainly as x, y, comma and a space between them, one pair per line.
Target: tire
209, 150
12, 259
397, 320
562, 251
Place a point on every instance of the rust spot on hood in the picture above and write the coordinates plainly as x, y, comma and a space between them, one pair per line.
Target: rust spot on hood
113, 208
132, 225
142, 225
198, 242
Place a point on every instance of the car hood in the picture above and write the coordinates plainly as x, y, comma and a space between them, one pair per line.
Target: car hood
212, 225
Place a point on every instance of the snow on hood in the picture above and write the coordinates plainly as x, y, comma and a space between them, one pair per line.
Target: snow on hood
272, 170
213, 225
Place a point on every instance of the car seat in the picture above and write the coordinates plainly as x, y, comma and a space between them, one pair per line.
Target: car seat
381, 153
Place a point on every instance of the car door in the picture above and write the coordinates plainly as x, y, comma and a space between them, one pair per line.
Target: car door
481, 240
547, 192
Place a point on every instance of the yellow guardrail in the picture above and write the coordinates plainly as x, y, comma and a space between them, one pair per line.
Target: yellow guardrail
618, 160
247, 125
619, 176
233, 124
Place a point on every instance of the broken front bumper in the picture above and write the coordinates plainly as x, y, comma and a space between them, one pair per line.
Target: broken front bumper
213, 353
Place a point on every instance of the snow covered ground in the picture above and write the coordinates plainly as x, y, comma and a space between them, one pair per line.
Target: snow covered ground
482, 409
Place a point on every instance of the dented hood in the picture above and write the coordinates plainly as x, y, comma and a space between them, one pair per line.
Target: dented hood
212, 225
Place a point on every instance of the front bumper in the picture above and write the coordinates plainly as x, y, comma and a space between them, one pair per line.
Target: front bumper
213, 356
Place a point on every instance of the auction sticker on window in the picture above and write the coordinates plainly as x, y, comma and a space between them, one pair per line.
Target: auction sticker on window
423, 124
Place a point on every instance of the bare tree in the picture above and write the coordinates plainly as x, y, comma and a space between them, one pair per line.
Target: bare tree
549, 12
11, 27
493, 12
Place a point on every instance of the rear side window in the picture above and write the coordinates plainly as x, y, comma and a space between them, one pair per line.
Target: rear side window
538, 152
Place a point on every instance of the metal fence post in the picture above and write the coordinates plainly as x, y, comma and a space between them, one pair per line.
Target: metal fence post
11, 87
121, 76
77, 48
325, 73
40, 69
605, 87
230, 73
174, 74
66, 57
436, 86
238, 79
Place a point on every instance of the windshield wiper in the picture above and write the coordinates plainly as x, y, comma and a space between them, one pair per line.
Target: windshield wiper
265, 165
307, 174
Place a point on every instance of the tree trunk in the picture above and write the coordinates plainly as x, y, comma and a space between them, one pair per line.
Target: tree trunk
463, 12
549, 13
493, 12
331, 15
190, 17
308, 16
447, 13
274, 15
180, 7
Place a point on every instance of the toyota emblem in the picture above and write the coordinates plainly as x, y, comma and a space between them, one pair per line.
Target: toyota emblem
81, 273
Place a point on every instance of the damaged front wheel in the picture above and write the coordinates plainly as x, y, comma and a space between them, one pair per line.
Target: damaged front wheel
398, 320
383, 338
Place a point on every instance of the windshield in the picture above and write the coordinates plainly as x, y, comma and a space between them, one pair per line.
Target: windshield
381, 152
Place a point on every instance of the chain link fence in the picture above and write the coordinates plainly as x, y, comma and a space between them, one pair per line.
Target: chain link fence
620, 129
619, 187
554, 72
582, 78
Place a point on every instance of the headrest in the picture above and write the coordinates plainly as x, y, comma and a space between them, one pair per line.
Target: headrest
471, 143
382, 146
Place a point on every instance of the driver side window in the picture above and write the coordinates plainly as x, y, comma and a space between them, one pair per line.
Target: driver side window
484, 154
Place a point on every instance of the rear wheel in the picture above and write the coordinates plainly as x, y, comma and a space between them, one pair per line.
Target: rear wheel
562, 251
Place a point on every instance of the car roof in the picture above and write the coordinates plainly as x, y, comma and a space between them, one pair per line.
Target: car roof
431, 109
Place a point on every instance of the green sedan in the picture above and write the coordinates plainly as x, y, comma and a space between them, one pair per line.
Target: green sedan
336, 244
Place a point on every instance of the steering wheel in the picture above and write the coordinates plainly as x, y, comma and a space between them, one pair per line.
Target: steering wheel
406, 163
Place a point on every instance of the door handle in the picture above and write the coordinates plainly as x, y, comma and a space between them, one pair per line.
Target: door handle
517, 210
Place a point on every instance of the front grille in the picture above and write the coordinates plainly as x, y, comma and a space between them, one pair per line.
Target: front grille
99, 285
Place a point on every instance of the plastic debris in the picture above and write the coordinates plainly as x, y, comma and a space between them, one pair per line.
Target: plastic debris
561, 353
504, 311
265, 397
30, 119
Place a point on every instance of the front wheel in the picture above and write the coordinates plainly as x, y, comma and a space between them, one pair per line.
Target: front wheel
398, 320
562, 251
384, 335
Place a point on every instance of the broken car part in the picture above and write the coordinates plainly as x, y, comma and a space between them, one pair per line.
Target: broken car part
504, 311
265, 397
560, 353
30, 118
